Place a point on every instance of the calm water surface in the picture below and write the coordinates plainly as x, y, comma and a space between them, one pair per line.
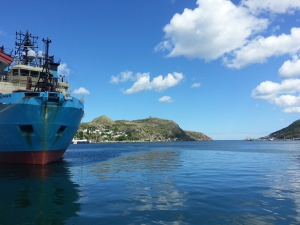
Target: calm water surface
218, 182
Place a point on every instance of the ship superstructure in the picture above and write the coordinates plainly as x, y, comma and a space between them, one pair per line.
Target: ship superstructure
38, 116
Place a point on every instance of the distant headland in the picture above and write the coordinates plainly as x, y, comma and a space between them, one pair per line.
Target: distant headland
104, 129
291, 132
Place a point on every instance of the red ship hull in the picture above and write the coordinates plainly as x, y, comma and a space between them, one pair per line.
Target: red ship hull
31, 157
6, 58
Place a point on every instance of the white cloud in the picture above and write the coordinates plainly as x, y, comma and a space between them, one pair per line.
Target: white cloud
63, 69
218, 28
214, 28
282, 95
290, 68
81, 90
275, 6
167, 99
276, 28
269, 89
122, 77
292, 110
259, 49
195, 85
158, 83
287, 100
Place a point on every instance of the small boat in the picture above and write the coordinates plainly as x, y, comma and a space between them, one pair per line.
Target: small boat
38, 116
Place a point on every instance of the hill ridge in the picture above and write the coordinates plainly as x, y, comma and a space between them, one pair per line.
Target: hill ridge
104, 128
290, 132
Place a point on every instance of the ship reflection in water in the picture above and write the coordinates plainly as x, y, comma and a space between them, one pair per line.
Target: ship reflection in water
37, 194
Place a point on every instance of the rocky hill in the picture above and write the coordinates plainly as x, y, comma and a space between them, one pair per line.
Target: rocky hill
198, 136
151, 129
290, 132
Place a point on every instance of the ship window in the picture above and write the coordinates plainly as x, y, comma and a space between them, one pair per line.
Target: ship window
34, 73
61, 129
15, 72
26, 128
24, 72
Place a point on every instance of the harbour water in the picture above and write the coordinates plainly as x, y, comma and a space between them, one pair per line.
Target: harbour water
217, 182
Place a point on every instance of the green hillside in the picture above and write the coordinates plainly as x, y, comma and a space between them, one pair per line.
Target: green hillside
151, 129
198, 136
290, 132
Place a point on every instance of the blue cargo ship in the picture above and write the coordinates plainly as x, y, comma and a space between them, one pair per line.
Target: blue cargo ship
38, 116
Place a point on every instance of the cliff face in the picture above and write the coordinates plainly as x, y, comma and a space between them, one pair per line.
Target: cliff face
150, 129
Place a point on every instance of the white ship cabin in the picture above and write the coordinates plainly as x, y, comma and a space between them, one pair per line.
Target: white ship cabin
24, 78
31, 70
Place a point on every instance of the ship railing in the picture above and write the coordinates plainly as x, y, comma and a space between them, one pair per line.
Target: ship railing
55, 59
18, 61
36, 62
3, 78
20, 84
7, 87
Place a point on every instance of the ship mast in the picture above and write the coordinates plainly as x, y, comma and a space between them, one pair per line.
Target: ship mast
45, 81
25, 55
25, 43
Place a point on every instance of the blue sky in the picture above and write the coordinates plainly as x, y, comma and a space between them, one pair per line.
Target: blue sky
229, 69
